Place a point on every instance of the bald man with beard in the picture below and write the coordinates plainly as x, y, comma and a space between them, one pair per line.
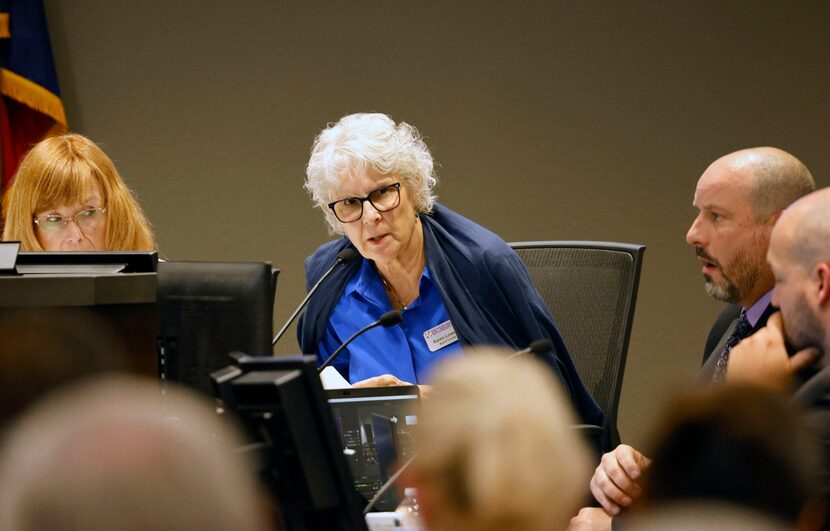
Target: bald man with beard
792, 353
738, 200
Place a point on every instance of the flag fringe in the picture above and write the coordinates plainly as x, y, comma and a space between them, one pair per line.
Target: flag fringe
32, 95
4, 26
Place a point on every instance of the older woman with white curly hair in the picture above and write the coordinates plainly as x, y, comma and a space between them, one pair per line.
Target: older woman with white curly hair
456, 282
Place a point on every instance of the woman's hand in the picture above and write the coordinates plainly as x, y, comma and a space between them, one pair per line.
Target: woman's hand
384, 380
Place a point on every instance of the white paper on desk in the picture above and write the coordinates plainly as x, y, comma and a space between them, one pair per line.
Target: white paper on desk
69, 269
332, 379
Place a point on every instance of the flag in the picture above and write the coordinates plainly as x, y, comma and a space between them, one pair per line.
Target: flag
30, 107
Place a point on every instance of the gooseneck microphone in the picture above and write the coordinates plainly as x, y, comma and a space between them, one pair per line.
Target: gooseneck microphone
346, 255
386, 320
538, 347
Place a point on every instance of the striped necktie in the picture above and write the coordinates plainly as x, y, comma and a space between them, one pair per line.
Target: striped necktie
742, 330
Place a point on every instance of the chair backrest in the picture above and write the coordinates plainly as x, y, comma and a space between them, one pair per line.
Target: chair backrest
591, 290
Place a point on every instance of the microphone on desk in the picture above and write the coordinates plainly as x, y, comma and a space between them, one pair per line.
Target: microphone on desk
538, 347
346, 255
386, 320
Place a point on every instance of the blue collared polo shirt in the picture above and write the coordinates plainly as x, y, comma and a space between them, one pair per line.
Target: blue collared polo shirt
407, 350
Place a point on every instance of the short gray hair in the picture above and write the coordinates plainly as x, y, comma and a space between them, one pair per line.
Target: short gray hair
359, 141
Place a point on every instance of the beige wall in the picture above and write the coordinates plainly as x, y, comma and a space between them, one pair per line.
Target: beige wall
550, 120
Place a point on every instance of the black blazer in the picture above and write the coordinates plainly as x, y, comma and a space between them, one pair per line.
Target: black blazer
813, 394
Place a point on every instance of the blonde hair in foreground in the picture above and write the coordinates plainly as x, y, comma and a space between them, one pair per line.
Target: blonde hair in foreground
497, 450
115, 454
62, 170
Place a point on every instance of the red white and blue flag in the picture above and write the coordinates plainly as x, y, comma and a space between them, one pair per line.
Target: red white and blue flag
30, 107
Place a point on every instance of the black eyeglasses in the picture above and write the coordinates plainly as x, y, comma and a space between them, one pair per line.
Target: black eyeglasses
383, 199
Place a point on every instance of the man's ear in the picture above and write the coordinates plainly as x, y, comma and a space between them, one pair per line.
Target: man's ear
822, 273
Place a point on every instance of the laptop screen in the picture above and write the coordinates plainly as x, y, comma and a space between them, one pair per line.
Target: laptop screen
375, 426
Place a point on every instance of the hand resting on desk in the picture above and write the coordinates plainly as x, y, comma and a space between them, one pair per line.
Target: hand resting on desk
388, 380
384, 380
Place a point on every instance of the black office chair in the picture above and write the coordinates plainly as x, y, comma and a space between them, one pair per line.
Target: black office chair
591, 289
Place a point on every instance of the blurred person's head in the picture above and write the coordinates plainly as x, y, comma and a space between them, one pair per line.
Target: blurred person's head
703, 515
496, 447
738, 198
68, 196
114, 453
736, 445
42, 349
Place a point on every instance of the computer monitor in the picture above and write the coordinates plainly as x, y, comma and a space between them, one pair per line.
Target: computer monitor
8, 257
376, 425
118, 289
206, 310
281, 402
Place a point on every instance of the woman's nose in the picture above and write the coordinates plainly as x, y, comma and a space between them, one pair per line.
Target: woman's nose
370, 213
73, 232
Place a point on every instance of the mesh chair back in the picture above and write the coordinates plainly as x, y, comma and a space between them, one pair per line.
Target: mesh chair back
591, 290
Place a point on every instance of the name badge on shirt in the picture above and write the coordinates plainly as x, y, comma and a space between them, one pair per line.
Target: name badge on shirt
440, 336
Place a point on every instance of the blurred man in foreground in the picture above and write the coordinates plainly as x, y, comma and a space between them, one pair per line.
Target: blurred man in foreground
114, 453
733, 457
